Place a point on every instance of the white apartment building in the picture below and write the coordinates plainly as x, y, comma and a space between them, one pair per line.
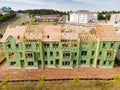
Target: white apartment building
115, 20
83, 17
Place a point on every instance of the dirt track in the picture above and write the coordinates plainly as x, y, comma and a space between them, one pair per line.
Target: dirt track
57, 73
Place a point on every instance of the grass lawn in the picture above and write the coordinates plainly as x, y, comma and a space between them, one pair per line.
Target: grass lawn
32, 23
12, 24
64, 85
44, 23
39, 23
3, 29
16, 22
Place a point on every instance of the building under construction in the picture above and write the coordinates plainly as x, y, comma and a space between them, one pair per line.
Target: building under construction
66, 46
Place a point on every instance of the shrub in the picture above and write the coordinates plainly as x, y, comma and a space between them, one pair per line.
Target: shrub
4, 83
42, 79
117, 78
76, 80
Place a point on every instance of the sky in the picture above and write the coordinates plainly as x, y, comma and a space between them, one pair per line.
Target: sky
63, 5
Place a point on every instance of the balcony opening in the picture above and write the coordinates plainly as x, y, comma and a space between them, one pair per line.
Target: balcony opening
17, 46
98, 62
30, 63
104, 63
74, 63
75, 54
13, 63
67, 63
39, 63
55, 45
84, 53
51, 53
29, 55
66, 55
110, 53
91, 61
100, 53
65, 46
84, 44
83, 61
104, 45
11, 55
9, 46
22, 63
112, 45
57, 54
110, 62
46, 45
57, 62
45, 54
46, 62
37, 46
63, 63
38, 54
21, 54
51, 62
28, 46
93, 53
74, 45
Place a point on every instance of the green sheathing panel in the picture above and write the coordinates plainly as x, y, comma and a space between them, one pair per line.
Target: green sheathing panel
84, 60
12, 42
49, 54
22, 61
34, 50
68, 61
59, 54
103, 59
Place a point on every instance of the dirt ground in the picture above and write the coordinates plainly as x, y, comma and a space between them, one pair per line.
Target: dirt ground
64, 85
57, 73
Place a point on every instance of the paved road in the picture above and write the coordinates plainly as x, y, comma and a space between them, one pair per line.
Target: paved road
25, 18
8, 22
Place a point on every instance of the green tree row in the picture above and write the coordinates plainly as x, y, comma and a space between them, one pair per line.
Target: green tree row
7, 17
102, 16
42, 12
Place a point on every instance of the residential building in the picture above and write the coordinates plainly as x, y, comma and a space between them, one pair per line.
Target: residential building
66, 46
48, 18
115, 20
83, 17
3, 12
63, 19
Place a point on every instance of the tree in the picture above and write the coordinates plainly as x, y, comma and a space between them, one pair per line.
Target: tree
1, 35
42, 12
8, 16
68, 16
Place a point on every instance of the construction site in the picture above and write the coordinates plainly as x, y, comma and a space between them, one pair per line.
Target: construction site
60, 46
